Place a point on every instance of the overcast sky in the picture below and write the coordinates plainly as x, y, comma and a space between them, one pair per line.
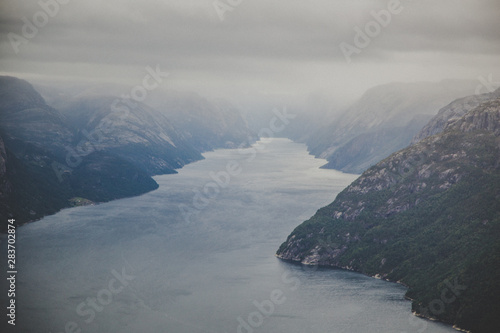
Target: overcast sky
287, 47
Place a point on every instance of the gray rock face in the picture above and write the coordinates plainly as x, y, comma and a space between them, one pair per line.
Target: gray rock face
131, 130
452, 112
383, 121
484, 118
423, 216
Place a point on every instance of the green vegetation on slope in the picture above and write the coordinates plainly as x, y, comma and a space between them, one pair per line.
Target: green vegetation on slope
33, 189
427, 216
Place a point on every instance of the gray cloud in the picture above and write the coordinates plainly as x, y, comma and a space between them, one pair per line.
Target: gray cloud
283, 45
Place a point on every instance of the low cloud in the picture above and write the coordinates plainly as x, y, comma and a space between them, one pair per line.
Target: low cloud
283, 45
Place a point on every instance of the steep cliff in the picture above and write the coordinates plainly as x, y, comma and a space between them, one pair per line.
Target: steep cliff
128, 129
452, 112
427, 216
382, 121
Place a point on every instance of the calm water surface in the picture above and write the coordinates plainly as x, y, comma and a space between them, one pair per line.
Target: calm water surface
197, 255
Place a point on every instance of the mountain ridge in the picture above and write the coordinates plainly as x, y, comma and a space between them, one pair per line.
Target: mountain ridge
452, 112
424, 216
138, 134
383, 120
98, 148
35, 176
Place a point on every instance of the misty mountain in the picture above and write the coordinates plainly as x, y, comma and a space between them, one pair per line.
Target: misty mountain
382, 121
97, 147
131, 130
27, 119
316, 112
427, 216
205, 124
37, 175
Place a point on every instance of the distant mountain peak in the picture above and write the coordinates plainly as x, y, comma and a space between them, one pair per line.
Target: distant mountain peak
383, 120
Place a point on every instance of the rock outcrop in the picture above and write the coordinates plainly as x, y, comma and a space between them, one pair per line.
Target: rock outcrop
452, 112
426, 215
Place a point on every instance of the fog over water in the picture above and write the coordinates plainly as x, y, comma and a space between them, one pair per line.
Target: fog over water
139, 265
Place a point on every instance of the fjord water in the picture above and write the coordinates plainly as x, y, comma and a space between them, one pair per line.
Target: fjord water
197, 255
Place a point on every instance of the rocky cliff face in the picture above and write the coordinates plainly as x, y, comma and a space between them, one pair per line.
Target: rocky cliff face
383, 121
485, 118
46, 164
130, 130
426, 215
452, 112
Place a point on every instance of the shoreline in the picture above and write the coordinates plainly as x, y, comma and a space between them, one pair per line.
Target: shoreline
378, 277
94, 203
